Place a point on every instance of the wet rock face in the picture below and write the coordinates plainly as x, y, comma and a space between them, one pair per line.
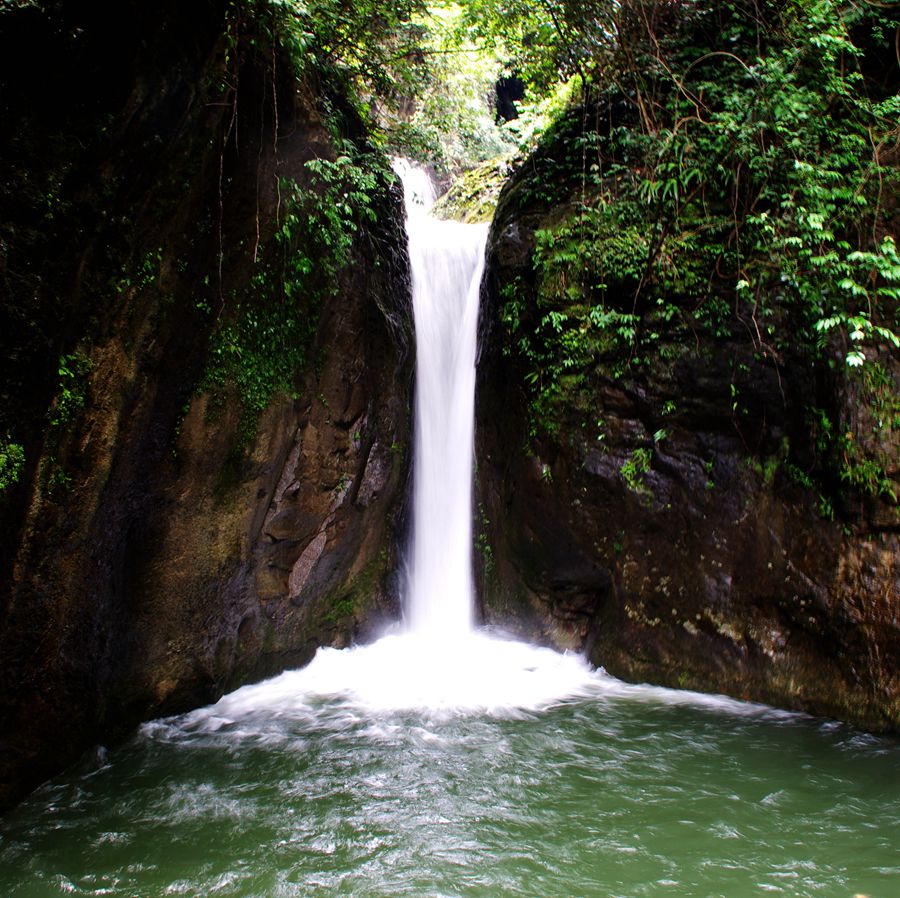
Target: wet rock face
710, 569
176, 557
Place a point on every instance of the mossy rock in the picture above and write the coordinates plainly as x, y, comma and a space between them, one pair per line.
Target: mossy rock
472, 198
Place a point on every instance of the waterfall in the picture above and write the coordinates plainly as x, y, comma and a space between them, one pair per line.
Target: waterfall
447, 260
438, 663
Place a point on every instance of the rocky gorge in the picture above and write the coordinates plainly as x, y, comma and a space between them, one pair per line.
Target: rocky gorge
207, 370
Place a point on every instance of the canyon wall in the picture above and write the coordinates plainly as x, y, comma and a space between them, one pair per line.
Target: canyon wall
211, 398
657, 519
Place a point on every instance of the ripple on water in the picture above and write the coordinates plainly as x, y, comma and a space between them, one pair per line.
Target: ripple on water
298, 788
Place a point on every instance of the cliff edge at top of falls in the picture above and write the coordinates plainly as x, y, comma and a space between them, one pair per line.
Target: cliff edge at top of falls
677, 472
206, 369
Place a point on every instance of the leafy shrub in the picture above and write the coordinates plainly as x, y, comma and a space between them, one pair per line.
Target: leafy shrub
12, 460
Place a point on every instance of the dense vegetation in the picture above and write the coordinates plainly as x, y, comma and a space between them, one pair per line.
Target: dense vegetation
728, 169
719, 166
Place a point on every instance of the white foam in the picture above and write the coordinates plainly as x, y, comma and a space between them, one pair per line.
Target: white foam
477, 675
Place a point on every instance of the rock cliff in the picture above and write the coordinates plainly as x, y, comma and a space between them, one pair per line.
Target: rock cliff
660, 524
211, 397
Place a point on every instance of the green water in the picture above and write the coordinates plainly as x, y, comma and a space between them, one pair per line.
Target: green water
619, 794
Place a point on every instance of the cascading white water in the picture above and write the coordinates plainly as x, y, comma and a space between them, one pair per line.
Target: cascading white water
440, 664
447, 260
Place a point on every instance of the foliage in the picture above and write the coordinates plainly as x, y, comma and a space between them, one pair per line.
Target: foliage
545, 41
450, 119
864, 454
375, 45
420, 74
726, 172
538, 115
327, 214
12, 460
405, 68
144, 273
635, 467
73, 371
260, 347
